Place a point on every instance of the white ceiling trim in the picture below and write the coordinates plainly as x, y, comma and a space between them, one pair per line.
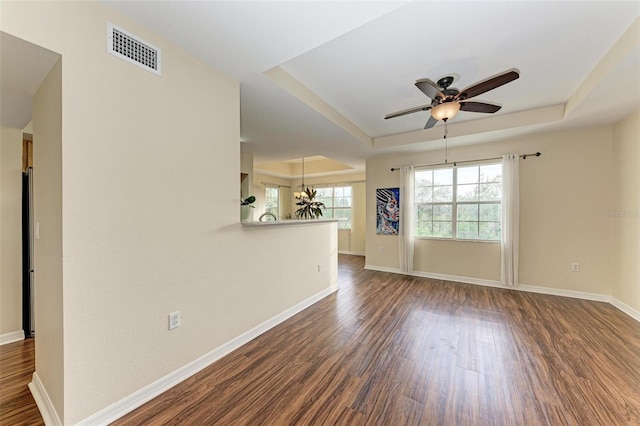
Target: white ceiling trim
474, 127
619, 52
285, 80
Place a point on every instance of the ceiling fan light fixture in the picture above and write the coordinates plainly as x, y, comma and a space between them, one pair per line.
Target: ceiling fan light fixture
445, 110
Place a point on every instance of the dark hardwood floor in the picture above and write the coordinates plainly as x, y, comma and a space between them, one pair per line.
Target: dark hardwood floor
389, 349
393, 350
17, 364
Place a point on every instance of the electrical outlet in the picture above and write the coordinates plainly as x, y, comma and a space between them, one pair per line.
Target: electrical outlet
174, 320
575, 267
381, 249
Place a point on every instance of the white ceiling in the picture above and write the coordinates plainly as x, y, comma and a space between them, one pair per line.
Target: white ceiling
23, 67
318, 77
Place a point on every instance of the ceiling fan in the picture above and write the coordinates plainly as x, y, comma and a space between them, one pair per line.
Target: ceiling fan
447, 101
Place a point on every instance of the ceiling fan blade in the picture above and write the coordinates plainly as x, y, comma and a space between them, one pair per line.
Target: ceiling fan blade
488, 84
429, 88
430, 122
408, 111
472, 106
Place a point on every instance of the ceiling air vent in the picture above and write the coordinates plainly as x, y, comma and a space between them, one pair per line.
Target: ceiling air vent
130, 48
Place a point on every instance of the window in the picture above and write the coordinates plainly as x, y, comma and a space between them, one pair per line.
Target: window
337, 200
271, 200
459, 203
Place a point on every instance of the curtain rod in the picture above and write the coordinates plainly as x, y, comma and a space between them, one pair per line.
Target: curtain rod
455, 163
275, 184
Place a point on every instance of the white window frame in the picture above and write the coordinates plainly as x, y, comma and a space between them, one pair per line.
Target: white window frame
342, 224
267, 198
454, 206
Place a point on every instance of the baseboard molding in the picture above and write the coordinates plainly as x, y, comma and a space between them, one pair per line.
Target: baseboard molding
354, 253
443, 277
625, 308
136, 399
466, 280
383, 269
14, 336
520, 287
47, 410
564, 293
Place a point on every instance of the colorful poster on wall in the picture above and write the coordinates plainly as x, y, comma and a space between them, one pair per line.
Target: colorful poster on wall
388, 211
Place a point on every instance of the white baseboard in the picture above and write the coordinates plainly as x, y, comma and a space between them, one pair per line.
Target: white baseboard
565, 293
383, 269
354, 253
136, 399
466, 280
625, 308
47, 410
520, 287
14, 336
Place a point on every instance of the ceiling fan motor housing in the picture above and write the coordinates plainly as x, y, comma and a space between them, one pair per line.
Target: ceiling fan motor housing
445, 82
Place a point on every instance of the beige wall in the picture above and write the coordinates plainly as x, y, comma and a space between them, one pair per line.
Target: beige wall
359, 218
625, 211
136, 224
10, 230
563, 195
349, 241
48, 244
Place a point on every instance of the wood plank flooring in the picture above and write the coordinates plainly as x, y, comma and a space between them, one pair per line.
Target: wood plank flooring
392, 350
17, 364
395, 350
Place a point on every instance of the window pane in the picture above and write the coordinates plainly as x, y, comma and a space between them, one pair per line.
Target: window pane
271, 200
325, 195
468, 212
343, 202
491, 173
342, 191
468, 175
345, 216
424, 178
443, 177
490, 212
490, 192
424, 213
476, 207
489, 230
467, 230
423, 228
443, 212
442, 193
442, 229
423, 194
468, 192
270, 203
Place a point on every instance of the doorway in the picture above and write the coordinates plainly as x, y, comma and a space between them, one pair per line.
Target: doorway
28, 308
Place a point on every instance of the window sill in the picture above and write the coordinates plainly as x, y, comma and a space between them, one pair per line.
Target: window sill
457, 240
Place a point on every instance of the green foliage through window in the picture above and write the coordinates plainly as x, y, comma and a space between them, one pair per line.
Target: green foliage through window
337, 200
271, 200
459, 203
